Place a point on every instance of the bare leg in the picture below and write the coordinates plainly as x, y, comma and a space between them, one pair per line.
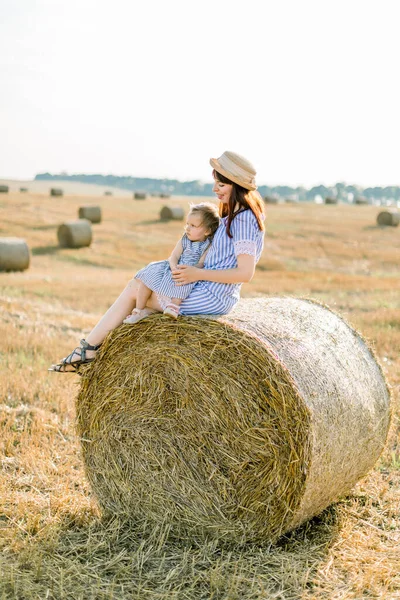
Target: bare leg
172, 309
117, 312
177, 301
114, 316
143, 296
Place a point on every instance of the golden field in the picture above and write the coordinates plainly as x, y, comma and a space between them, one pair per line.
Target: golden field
54, 542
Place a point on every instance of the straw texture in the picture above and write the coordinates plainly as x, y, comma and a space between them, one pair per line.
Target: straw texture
389, 217
241, 426
91, 213
75, 234
14, 254
175, 213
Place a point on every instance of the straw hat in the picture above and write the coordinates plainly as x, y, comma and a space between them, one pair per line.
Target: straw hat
236, 168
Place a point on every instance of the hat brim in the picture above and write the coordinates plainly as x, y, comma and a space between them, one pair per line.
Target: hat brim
215, 165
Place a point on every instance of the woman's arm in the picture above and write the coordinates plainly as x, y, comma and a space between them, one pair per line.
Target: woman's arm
243, 273
175, 255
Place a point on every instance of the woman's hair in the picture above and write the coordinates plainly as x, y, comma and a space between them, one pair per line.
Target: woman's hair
209, 216
247, 199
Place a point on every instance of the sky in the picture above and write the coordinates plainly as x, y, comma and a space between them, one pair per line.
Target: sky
308, 91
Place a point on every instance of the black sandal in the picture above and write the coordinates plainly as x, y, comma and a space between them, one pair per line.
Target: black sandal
75, 364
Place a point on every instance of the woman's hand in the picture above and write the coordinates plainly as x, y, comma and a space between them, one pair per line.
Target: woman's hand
184, 274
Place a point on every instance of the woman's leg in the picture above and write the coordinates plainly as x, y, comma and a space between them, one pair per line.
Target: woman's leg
115, 315
117, 312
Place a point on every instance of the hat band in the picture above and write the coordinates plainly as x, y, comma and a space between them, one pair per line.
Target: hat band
236, 170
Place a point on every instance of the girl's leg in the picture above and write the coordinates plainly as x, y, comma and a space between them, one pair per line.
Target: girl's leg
143, 296
172, 309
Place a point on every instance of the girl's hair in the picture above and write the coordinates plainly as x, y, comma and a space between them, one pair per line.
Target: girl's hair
247, 199
209, 216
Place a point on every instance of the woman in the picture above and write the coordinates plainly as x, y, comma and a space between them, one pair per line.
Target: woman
231, 261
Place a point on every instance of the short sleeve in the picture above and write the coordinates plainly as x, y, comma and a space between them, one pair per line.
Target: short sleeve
184, 241
245, 232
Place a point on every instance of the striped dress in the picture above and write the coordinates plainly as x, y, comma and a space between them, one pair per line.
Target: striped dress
157, 276
211, 298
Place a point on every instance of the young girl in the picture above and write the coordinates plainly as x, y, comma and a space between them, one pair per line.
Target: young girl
202, 222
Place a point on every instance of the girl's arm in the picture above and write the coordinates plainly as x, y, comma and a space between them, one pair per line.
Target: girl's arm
175, 255
243, 273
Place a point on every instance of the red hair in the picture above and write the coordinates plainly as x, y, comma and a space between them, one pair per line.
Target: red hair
246, 199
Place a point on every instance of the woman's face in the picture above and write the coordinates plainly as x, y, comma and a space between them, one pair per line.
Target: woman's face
223, 191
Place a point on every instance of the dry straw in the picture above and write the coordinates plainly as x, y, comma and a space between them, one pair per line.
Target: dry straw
389, 217
75, 234
91, 213
241, 426
175, 213
14, 254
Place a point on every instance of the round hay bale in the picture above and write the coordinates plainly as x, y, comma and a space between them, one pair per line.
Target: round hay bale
165, 196
271, 200
389, 217
360, 200
108, 193
56, 192
139, 196
4, 189
91, 213
14, 254
330, 200
241, 426
23, 189
75, 234
175, 213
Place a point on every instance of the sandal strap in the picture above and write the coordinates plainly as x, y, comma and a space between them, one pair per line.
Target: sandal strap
86, 346
173, 306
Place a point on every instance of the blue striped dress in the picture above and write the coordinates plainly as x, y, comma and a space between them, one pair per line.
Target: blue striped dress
211, 298
157, 276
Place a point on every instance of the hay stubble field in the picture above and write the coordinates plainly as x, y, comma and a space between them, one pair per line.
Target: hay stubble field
54, 542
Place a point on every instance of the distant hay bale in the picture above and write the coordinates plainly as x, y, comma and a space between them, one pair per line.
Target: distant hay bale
139, 196
175, 213
4, 189
291, 201
56, 192
75, 234
330, 200
361, 200
242, 426
91, 213
390, 217
14, 254
108, 193
23, 189
271, 200
165, 196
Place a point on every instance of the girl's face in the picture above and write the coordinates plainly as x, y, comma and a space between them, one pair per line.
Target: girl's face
194, 228
223, 191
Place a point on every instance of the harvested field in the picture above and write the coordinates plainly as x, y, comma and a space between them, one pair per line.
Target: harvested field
54, 542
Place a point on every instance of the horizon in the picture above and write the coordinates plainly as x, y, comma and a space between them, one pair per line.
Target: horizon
310, 94
202, 181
